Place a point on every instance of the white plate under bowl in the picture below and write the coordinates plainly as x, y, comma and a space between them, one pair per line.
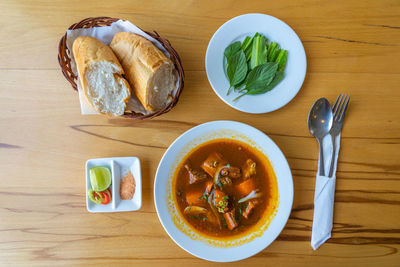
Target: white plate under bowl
275, 30
118, 167
166, 209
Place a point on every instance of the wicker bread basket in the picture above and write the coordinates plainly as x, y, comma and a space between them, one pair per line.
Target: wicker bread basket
65, 62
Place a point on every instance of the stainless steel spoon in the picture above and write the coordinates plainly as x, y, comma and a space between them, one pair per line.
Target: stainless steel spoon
320, 122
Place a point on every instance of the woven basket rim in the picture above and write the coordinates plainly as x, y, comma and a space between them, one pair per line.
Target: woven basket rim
64, 61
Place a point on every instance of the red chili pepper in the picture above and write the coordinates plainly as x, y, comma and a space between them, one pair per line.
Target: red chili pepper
107, 196
96, 197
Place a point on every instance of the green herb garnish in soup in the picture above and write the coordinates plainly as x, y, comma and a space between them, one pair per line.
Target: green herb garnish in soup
254, 66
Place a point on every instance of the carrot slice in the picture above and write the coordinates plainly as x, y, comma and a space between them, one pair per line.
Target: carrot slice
195, 198
230, 220
199, 196
245, 187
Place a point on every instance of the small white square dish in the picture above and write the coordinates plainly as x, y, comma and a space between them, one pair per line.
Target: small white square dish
119, 167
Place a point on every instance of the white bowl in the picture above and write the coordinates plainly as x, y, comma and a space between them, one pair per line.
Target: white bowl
275, 30
182, 234
118, 167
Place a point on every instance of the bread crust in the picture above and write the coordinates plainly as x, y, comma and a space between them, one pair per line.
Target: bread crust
87, 50
141, 59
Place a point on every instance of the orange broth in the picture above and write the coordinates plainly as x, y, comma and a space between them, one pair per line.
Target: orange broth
235, 153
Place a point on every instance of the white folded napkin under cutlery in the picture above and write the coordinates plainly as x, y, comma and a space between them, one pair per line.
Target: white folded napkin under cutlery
324, 197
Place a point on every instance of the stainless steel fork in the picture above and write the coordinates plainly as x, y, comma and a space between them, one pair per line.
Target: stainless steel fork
339, 111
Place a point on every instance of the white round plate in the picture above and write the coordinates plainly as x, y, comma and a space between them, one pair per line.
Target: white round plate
198, 246
275, 30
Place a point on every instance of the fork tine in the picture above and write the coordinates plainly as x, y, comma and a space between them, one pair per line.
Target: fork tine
336, 102
339, 106
345, 108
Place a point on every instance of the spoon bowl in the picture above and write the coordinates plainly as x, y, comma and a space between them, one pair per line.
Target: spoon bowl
320, 121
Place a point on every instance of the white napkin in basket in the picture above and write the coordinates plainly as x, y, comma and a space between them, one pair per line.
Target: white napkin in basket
324, 197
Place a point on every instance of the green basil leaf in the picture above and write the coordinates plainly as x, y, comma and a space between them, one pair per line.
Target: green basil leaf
241, 84
278, 77
261, 76
237, 68
258, 52
231, 49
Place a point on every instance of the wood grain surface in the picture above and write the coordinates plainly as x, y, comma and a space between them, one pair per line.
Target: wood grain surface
352, 47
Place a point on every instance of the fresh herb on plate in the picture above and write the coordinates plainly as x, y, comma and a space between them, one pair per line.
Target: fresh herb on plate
278, 77
232, 49
281, 59
254, 66
258, 52
237, 68
273, 51
261, 76
246, 43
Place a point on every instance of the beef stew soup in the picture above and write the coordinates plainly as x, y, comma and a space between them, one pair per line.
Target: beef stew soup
224, 187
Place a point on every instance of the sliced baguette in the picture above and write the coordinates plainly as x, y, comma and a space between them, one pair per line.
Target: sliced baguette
150, 73
100, 75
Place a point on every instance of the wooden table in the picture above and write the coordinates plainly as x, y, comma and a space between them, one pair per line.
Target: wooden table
351, 46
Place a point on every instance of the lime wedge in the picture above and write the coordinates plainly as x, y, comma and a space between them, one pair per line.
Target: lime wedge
100, 178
